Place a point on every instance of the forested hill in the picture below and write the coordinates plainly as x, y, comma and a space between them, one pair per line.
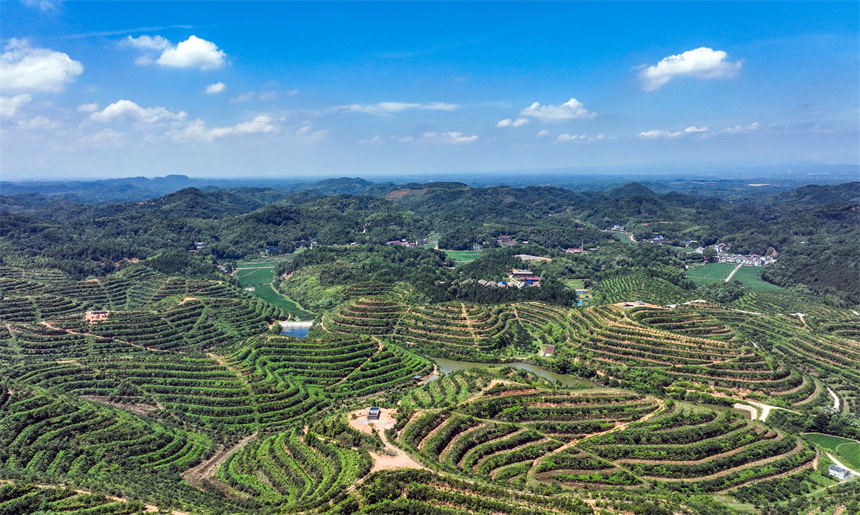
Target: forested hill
815, 229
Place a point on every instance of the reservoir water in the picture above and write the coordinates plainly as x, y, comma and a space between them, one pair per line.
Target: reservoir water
446, 366
296, 332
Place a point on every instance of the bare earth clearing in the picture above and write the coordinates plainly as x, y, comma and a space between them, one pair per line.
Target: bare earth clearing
386, 421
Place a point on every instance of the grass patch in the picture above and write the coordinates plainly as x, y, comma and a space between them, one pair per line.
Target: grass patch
847, 451
576, 284
463, 256
268, 294
623, 237
710, 273
255, 276
750, 277
260, 273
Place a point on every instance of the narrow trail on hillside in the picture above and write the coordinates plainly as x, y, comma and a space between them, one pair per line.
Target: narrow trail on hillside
206, 470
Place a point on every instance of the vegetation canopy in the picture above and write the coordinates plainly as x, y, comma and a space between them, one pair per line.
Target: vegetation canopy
521, 359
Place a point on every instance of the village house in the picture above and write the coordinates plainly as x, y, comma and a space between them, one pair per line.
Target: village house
839, 472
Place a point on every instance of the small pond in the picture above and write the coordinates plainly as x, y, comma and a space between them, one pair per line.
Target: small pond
296, 332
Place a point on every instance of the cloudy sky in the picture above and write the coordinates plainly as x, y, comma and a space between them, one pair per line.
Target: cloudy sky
221, 89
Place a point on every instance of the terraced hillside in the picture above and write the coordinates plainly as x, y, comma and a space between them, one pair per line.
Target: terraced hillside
180, 394
693, 345
520, 433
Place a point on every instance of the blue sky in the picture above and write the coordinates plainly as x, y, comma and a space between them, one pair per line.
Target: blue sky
280, 89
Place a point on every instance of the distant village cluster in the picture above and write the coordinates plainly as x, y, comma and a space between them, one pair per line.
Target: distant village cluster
406, 243
517, 278
723, 256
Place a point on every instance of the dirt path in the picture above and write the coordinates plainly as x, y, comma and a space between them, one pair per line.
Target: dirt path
661, 406
835, 400
378, 350
754, 464
208, 468
810, 464
766, 409
469, 324
706, 459
55, 328
148, 508
729, 278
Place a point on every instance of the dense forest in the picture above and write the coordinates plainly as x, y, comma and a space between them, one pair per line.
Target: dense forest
815, 230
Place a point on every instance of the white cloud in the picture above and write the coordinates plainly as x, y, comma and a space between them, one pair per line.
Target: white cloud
244, 97
570, 137
655, 134
260, 124
88, 108
564, 138
308, 134
9, 105
128, 110
376, 140
25, 68
38, 123
693, 129
218, 87
507, 122
737, 129
197, 130
44, 5
570, 110
542, 134
387, 108
452, 138
404, 139
702, 63
147, 43
194, 52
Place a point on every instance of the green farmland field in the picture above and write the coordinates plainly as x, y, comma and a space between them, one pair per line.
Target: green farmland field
267, 293
847, 451
711, 272
750, 276
255, 276
260, 274
463, 256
